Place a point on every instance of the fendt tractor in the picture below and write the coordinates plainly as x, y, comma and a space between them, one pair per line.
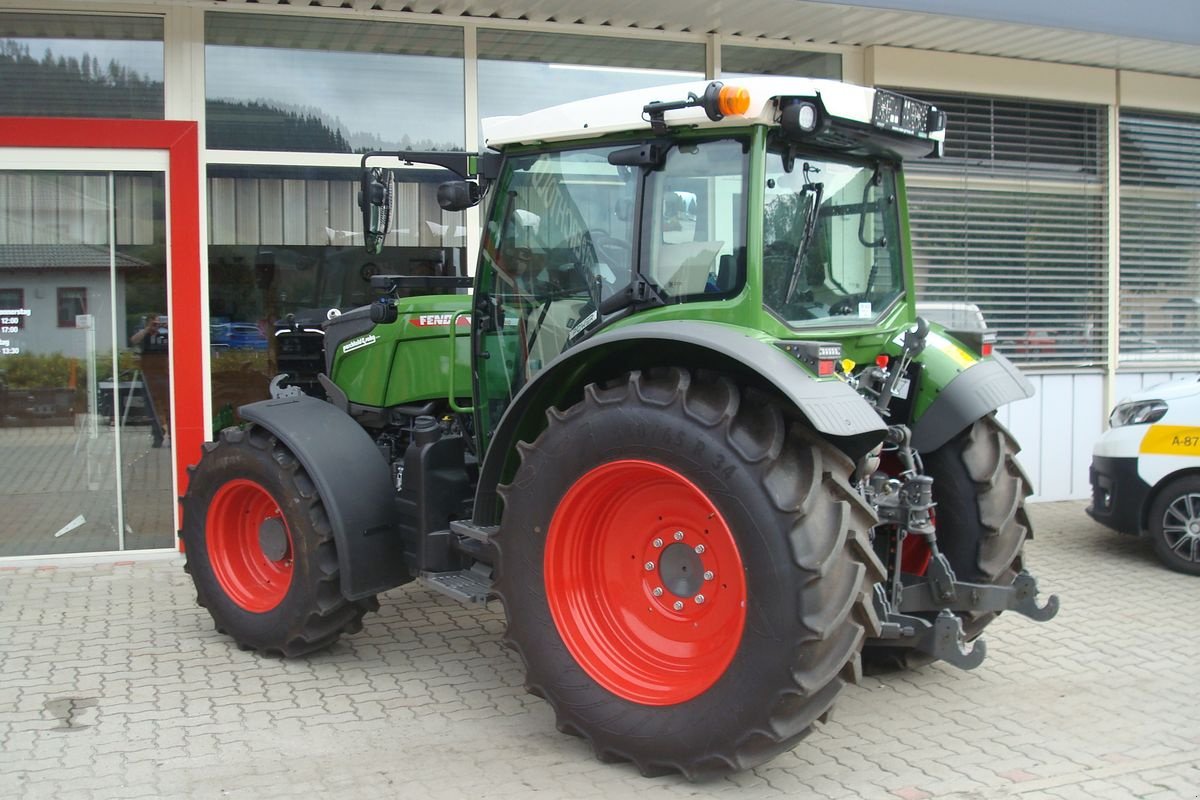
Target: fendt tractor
686, 426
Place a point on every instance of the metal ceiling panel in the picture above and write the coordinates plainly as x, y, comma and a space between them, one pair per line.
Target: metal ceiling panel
803, 21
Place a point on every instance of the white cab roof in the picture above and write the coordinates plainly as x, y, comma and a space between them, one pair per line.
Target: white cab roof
614, 113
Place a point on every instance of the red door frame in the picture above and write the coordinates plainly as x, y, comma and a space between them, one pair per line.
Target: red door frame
181, 141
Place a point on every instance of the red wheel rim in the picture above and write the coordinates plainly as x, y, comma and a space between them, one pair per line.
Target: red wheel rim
645, 583
250, 577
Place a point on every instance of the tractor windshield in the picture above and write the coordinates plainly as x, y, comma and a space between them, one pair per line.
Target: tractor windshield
831, 244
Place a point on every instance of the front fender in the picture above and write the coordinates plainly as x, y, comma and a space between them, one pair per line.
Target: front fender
830, 406
354, 484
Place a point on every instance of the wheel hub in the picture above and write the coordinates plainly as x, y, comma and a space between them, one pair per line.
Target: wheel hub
681, 570
273, 539
680, 573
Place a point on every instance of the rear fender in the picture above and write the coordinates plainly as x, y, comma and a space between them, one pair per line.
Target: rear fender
830, 406
354, 483
964, 389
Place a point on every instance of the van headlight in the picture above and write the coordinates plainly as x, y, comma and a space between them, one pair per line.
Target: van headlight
1141, 412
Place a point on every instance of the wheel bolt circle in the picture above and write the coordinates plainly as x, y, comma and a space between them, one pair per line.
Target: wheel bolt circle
708, 576
679, 536
678, 605
699, 599
649, 566
699, 549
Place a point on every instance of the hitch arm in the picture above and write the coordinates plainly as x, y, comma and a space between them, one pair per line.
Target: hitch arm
1020, 597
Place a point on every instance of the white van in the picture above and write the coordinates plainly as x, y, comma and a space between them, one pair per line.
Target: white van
1146, 471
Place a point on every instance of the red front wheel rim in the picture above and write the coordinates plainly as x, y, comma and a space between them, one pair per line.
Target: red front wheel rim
645, 582
244, 523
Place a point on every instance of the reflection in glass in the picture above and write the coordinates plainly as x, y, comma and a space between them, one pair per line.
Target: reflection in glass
64, 65
748, 61
83, 461
565, 68
339, 86
286, 248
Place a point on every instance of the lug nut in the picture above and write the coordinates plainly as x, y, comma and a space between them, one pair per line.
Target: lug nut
658, 591
699, 549
657, 543
708, 576
649, 566
679, 536
678, 605
699, 599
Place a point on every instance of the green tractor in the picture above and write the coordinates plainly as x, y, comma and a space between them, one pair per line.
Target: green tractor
687, 427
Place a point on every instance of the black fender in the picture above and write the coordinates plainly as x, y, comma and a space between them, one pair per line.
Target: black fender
831, 407
972, 394
354, 483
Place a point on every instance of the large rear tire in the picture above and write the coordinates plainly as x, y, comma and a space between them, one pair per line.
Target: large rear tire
260, 548
982, 525
686, 573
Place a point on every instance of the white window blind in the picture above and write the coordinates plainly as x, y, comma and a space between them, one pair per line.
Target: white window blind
1013, 219
1160, 238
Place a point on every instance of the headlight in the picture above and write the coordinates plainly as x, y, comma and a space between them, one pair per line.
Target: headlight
1142, 412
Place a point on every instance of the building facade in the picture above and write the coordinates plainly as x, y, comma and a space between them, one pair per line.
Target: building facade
132, 324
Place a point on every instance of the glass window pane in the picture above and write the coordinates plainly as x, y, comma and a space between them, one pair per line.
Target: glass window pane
747, 61
339, 86
566, 68
84, 404
61, 65
1160, 238
695, 242
286, 247
830, 246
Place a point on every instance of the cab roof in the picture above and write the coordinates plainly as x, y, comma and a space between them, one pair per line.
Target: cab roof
621, 112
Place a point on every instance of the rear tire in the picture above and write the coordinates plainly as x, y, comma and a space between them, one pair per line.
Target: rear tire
260, 548
1175, 525
982, 525
610, 503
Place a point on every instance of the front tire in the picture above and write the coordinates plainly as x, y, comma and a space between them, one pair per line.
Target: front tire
686, 573
1175, 525
260, 548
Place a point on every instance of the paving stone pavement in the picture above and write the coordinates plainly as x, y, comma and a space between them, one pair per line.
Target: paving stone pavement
113, 684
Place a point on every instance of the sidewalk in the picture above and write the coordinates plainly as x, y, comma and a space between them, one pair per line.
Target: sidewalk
114, 684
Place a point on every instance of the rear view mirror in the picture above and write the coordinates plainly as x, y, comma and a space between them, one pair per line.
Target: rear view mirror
375, 200
458, 195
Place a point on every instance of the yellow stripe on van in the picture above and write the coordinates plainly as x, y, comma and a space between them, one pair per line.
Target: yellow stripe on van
1171, 440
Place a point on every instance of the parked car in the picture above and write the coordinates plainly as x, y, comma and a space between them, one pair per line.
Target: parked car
1146, 472
237, 336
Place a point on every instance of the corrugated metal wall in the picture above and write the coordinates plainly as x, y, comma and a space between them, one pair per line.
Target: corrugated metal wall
322, 212
70, 208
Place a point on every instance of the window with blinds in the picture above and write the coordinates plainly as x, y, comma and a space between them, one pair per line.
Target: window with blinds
1160, 238
1014, 219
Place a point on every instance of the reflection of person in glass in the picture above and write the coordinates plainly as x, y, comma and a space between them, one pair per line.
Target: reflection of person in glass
151, 342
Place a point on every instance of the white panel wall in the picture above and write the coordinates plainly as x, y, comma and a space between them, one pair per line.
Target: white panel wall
1059, 425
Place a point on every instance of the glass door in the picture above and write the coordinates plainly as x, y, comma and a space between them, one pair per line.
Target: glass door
85, 405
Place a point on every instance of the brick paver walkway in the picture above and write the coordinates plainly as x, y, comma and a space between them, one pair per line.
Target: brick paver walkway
113, 684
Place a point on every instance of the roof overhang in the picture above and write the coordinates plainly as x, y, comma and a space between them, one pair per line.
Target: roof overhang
814, 21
